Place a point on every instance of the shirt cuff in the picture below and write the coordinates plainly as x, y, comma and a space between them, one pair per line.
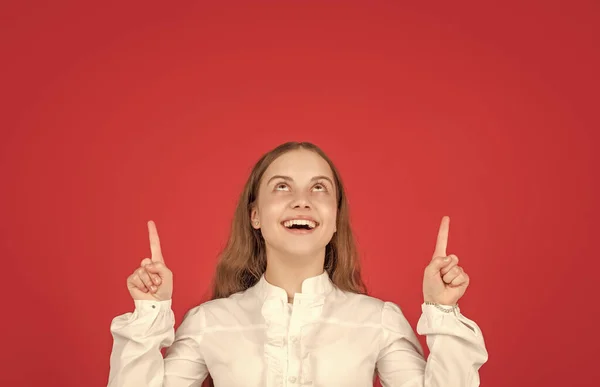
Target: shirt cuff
436, 319
148, 306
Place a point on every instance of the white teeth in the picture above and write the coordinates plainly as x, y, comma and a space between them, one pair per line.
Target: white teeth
300, 222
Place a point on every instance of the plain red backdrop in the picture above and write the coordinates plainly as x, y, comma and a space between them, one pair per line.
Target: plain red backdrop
115, 113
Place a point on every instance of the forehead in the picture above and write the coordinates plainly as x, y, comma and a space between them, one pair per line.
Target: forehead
299, 164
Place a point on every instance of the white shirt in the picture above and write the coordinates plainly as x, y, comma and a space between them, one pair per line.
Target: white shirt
326, 338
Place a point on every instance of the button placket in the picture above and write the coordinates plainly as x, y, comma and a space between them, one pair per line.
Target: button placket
311, 311
277, 321
293, 360
293, 338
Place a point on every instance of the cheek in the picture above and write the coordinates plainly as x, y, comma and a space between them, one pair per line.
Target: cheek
271, 209
328, 209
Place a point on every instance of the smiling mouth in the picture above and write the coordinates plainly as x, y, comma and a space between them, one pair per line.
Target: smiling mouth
300, 224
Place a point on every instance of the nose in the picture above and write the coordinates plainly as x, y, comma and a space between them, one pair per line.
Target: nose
300, 200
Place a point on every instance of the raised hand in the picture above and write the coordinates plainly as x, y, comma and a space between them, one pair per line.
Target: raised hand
152, 280
444, 282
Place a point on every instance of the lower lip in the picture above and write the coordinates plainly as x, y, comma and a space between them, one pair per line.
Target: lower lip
299, 231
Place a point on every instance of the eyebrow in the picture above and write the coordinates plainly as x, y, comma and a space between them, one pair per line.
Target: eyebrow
287, 178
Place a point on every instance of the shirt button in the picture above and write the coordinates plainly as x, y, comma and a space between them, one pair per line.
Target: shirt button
292, 379
294, 339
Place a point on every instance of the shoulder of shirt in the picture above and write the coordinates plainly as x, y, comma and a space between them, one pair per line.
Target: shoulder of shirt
386, 314
223, 304
364, 302
361, 297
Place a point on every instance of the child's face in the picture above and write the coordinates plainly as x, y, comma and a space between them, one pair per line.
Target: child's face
298, 185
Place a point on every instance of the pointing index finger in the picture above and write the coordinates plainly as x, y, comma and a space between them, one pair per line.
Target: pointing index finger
154, 243
442, 238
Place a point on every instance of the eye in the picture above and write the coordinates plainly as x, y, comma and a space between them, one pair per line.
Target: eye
320, 187
281, 187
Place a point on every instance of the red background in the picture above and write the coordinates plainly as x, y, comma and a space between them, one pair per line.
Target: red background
114, 114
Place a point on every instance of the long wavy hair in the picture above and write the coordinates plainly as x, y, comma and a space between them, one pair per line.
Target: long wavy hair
244, 259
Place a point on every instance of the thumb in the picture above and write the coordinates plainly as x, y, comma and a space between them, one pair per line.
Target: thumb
158, 268
438, 263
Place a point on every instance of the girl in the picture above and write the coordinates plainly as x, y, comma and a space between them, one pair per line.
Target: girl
289, 305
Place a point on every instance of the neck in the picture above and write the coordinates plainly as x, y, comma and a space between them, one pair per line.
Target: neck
288, 272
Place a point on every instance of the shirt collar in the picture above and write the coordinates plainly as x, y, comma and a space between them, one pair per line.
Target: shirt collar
319, 285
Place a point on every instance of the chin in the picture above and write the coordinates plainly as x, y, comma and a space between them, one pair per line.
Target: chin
301, 249
303, 245
303, 252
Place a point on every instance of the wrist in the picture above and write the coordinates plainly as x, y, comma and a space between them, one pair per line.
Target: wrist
443, 307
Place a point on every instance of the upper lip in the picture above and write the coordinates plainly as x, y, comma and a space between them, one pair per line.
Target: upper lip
300, 217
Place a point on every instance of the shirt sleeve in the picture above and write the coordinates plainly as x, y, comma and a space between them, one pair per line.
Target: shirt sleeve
456, 346
138, 337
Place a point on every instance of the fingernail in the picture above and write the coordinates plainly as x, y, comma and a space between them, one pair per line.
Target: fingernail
446, 259
153, 288
156, 280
